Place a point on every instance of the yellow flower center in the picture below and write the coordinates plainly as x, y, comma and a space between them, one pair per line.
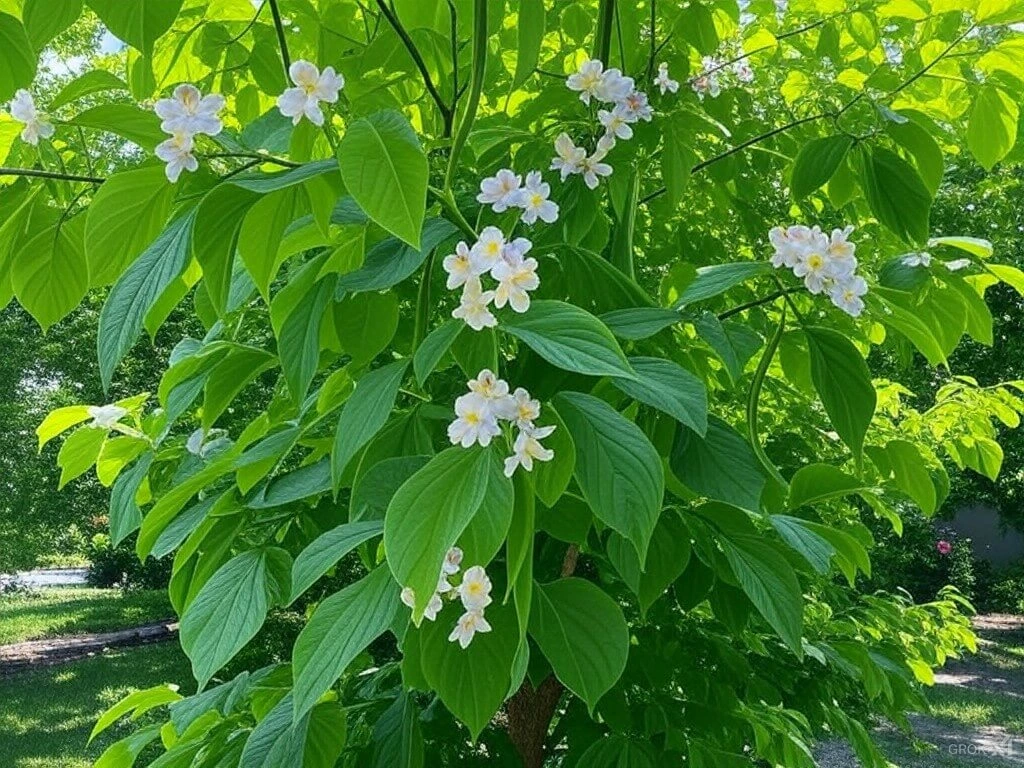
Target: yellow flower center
536, 199
815, 261
473, 418
493, 248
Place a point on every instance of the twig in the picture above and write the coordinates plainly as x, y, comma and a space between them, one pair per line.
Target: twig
36, 173
285, 57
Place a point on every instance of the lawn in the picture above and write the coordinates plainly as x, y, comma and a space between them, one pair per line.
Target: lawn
46, 714
71, 611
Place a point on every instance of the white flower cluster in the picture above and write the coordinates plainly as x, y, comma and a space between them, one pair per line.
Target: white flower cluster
311, 87
106, 416
23, 109
474, 591
479, 411
713, 73
186, 115
629, 105
826, 263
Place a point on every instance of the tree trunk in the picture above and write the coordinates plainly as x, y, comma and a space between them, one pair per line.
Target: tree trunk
529, 717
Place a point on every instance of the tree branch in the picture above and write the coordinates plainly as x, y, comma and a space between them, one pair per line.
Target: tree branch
36, 173
279, 27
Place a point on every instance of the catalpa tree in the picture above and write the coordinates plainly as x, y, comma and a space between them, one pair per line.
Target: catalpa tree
551, 320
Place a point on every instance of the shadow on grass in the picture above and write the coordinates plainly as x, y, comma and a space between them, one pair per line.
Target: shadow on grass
46, 715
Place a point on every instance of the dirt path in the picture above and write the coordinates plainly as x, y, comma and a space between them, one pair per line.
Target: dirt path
19, 656
997, 672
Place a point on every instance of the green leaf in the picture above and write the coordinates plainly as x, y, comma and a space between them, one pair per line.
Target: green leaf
18, 63
375, 487
429, 513
124, 218
298, 343
125, 515
365, 324
230, 376
259, 238
900, 312
718, 278
136, 291
901, 461
666, 561
670, 388
364, 413
231, 607
486, 532
992, 128
583, 634
819, 482
635, 323
59, 420
916, 139
568, 337
976, 246
391, 261
434, 347
138, 23
896, 194
338, 631
551, 478
472, 682
817, 161
215, 238
326, 735
843, 382
530, 27
93, 81
734, 342
617, 468
79, 453
721, 465
326, 550
123, 753
277, 741
45, 19
397, 739
138, 703
50, 274
127, 121
385, 170
770, 583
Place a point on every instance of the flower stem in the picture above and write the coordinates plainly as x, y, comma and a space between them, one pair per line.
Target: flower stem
475, 88
286, 58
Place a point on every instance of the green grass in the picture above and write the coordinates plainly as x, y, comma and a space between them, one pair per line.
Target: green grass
72, 611
46, 715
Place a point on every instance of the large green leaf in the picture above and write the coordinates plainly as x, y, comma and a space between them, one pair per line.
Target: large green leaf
666, 560
390, 261
568, 337
770, 583
617, 468
364, 413
434, 347
486, 532
901, 461
843, 382
324, 552
135, 292
50, 274
992, 128
215, 232
298, 344
531, 33
340, 628
817, 161
277, 741
127, 121
719, 278
93, 81
582, 633
818, 482
125, 515
397, 739
231, 607
125, 217
896, 194
385, 171
18, 62
669, 387
365, 324
635, 323
259, 238
140, 22
45, 19
720, 465
429, 513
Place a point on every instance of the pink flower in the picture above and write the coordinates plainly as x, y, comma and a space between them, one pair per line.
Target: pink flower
943, 546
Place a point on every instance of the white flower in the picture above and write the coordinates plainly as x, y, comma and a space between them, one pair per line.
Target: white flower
486, 252
614, 86
636, 107
840, 251
846, 294
475, 589
106, 416
177, 153
527, 448
957, 264
312, 87
452, 561
587, 80
443, 587
922, 259
592, 168
526, 409
514, 249
743, 72
475, 422
23, 109
469, 624
569, 159
498, 403
473, 306
606, 143
707, 84
516, 276
458, 265
433, 607
189, 112
893, 52
615, 123
814, 264
665, 83
500, 191
533, 199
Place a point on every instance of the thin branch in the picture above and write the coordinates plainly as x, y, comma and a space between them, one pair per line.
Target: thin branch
477, 83
256, 156
36, 173
741, 57
249, 26
285, 56
756, 303
446, 112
